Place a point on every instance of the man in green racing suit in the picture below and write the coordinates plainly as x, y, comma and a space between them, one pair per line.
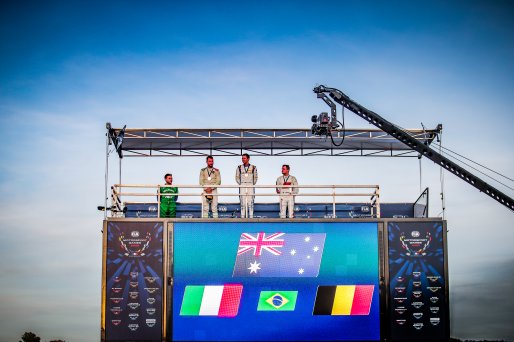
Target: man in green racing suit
168, 207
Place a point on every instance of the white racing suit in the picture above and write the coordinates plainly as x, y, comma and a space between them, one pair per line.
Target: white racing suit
287, 194
246, 175
210, 176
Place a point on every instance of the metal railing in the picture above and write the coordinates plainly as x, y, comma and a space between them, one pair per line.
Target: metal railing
369, 194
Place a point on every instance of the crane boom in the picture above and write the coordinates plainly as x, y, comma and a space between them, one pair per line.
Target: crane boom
422, 148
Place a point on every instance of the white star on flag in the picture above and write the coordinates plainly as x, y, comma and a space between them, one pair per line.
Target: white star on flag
300, 271
307, 238
293, 251
315, 249
254, 267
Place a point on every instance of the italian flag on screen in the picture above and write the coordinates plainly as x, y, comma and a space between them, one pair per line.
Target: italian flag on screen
222, 300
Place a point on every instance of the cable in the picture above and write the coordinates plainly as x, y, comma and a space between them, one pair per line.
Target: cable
342, 128
333, 142
485, 167
485, 174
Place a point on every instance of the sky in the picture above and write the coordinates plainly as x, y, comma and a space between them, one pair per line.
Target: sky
68, 67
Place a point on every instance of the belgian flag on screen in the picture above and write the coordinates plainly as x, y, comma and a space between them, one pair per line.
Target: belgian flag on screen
343, 300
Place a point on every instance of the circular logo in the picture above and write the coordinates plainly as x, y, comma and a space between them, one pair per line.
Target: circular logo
277, 301
134, 234
415, 233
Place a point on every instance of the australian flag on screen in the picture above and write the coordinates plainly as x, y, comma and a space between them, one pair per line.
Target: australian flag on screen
279, 255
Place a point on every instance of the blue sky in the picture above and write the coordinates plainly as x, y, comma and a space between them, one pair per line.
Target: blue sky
66, 68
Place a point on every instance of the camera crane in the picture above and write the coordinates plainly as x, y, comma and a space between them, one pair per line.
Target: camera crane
323, 125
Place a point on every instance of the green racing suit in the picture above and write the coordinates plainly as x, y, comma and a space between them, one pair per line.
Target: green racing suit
168, 207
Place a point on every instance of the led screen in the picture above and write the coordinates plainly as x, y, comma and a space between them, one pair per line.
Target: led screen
417, 292
275, 282
134, 281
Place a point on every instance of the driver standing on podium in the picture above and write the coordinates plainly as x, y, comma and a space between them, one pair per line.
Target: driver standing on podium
288, 192
246, 174
168, 197
210, 176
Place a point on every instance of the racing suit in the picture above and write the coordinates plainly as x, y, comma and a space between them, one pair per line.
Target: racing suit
246, 175
168, 207
287, 194
210, 176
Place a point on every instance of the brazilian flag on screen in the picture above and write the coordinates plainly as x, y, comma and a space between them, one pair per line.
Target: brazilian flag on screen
277, 300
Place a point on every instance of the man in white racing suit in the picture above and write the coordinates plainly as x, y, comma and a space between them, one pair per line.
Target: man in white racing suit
288, 192
246, 174
210, 176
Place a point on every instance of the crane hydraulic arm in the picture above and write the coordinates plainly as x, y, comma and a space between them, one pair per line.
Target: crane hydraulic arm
422, 148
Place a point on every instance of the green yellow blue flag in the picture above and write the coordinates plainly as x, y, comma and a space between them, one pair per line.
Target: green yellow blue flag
277, 301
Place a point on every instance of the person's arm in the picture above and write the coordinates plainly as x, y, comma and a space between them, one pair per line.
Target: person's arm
278, 183
218, 182
255, 175
238, 175
201, 179
203, 182
294, 184
175, 198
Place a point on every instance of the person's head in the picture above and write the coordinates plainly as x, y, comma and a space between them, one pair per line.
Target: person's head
210, 161
168, 178
285, 169
245, 158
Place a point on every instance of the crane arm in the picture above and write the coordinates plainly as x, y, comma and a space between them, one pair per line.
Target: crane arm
422, 148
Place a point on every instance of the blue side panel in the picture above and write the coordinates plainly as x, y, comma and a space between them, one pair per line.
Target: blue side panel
261, 210
271, 210
396, 210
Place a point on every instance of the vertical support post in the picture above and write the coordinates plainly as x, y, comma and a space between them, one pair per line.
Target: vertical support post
247, 209
333, 201
158, 201
120, 174
420, 176
106, 172
377, 191
441, 177
120, 188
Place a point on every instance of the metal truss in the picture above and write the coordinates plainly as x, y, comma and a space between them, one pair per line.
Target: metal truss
266, 142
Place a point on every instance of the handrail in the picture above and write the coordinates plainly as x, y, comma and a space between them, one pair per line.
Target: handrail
334, 191
242, 186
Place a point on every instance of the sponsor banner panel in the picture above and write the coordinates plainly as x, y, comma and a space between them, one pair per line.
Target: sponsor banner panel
270, 281
417, 296
134, 281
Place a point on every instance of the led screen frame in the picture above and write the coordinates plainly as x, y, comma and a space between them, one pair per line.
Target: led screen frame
205, 238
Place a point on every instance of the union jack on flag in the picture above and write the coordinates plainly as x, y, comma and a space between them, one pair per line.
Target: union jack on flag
260, 243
